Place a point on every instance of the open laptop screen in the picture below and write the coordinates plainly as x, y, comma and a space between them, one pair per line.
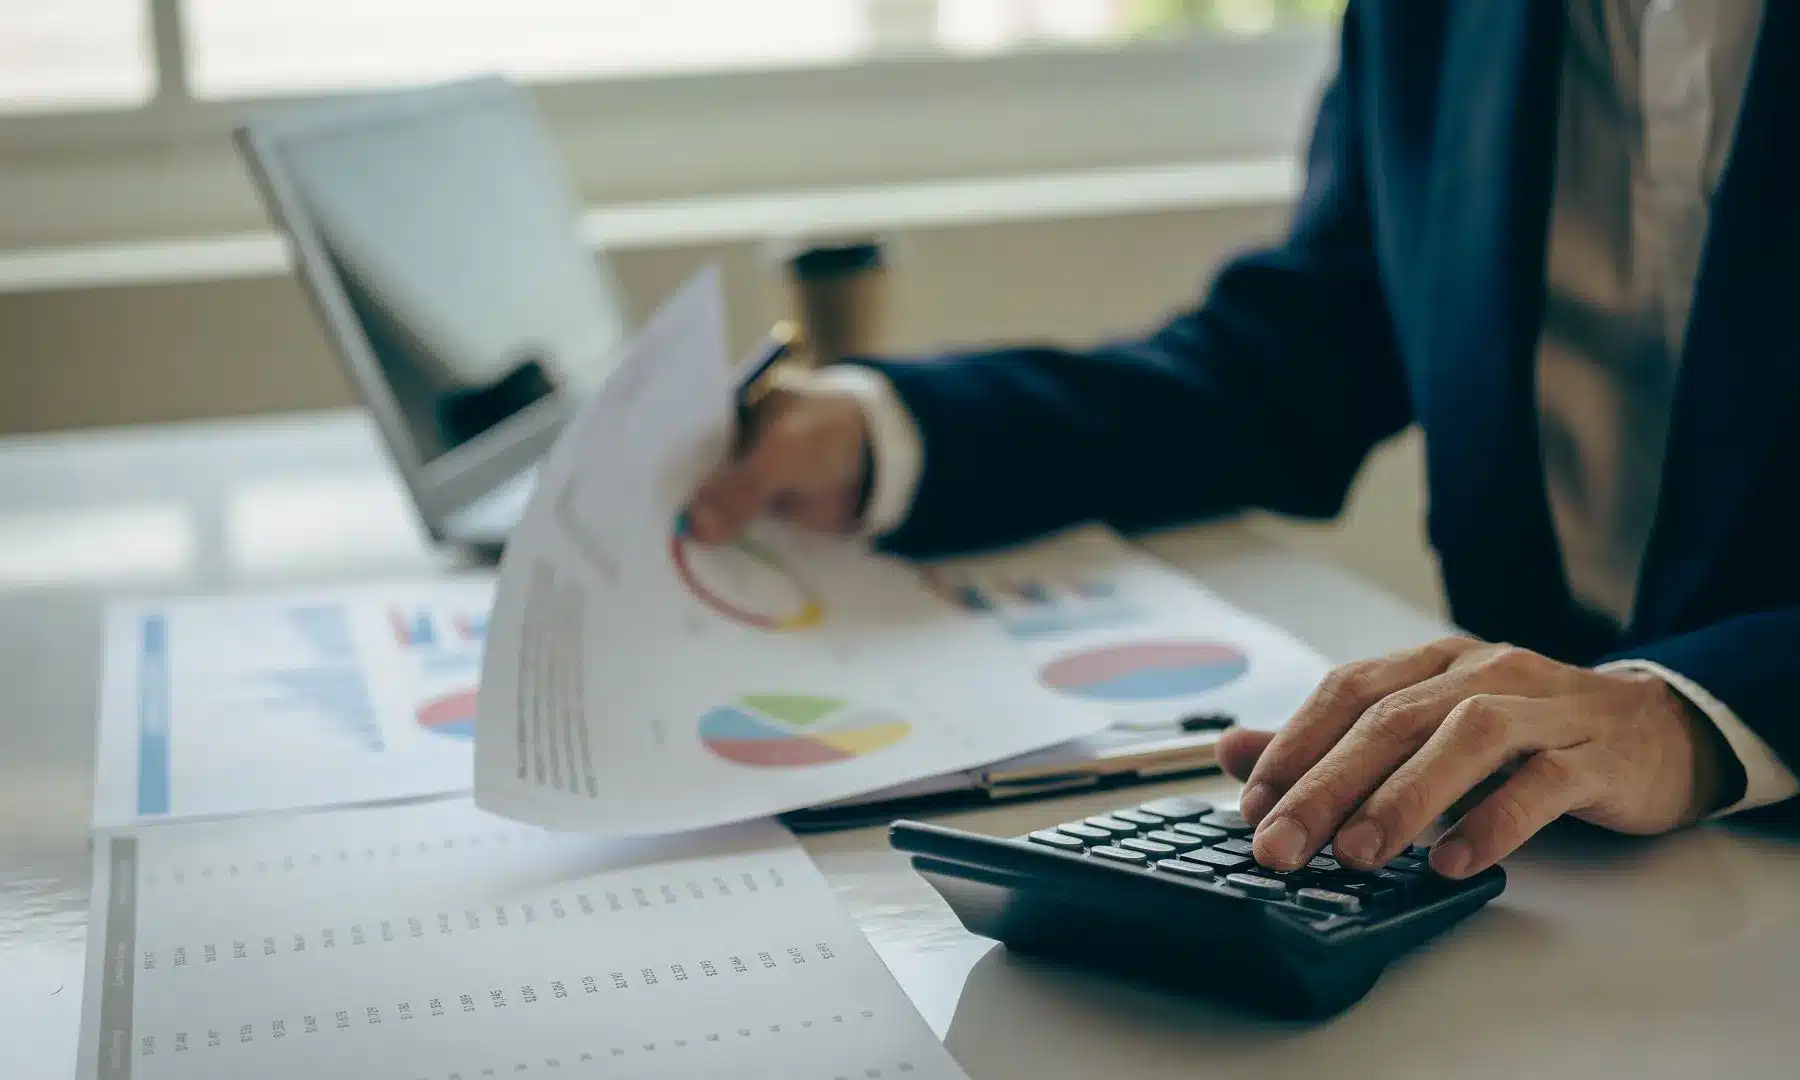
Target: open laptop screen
437, 230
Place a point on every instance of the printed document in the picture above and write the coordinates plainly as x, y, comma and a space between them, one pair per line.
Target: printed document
435, 942
638, 682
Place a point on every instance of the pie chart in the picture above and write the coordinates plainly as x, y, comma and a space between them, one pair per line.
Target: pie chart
744, 581
1146, 670
452, 716
796, 731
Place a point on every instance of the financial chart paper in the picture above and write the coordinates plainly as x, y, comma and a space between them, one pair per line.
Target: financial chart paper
437, 942
291, 699
638, 682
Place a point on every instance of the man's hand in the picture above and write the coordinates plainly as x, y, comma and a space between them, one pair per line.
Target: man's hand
1384, 747
803, 455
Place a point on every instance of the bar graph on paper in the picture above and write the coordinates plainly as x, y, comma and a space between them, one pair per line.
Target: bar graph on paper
294, 699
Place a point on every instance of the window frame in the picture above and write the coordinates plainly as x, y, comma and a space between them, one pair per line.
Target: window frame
167, 169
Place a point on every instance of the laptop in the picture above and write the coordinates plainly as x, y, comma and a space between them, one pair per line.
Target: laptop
440, 240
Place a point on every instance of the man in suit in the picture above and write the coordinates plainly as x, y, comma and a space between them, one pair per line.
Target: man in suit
1557, 235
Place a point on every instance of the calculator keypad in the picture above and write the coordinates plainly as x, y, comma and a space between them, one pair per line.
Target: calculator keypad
1259, 886
1179, 808
1224, 860
1189, 839
1113, 826
1178, 841
1229, 820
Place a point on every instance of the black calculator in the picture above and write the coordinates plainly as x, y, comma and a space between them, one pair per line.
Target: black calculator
1167, 890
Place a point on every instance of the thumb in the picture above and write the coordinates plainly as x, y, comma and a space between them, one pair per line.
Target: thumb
1239, 749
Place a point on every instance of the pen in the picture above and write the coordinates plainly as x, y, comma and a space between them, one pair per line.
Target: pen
1192, 724
778, 347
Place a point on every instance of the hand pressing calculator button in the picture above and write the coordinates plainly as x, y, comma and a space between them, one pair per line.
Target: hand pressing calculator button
1304, 944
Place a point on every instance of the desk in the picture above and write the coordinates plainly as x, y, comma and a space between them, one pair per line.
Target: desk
1669, 958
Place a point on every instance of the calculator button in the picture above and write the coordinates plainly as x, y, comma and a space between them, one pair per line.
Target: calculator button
1148, 847
1178, 841
1112, 825
1422, 852
1051, 838
1224, 860
1265, 888
1186, 869
1369, 892
1240, 846
1140, 817
1120, 855
1328, 900
1323, 864
1200, 832
1402, 884
1084, 830
1178, 808
1229, 820
1406, 863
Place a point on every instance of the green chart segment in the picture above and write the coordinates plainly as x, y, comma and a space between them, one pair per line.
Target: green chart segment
797, 730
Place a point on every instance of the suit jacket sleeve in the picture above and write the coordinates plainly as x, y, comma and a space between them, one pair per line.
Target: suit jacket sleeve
1750, 663
1269, 394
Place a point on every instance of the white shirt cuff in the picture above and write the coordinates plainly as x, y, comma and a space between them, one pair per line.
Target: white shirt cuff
1766, 779
894, 443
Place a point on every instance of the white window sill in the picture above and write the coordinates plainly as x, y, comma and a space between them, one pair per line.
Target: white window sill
691, 222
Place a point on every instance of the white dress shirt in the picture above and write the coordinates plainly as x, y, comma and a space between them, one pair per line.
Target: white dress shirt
1651, 91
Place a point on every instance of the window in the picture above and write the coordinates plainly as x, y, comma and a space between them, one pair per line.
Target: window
115, 114
242, 48
61, 54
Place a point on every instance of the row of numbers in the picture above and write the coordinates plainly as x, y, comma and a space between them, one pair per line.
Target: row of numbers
661, 1049
469, 920
496, 998
385, 853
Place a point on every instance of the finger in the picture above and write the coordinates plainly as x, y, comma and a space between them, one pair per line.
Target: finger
827, 512
1479, 737
742, 491
1239, 748
1342, 697
1546, 787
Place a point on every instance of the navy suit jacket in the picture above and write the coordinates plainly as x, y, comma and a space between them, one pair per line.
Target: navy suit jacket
1410, 289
